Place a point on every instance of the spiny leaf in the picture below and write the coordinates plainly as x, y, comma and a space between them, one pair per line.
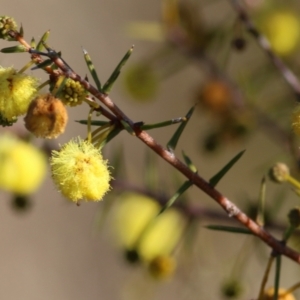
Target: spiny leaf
43, 64
171, 145
216, 178
113, 77
32, 43
178, 193
127, 127
163, 124
40, 45
92, 69
93, 122
229, 229
260, 218
111, 134
14, 49
21, 32
277, 276
189, 162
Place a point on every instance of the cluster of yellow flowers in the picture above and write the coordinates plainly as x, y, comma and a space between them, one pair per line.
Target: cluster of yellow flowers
78, 169
152, 237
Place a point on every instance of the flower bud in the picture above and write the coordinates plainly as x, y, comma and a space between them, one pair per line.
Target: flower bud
46, 117
73, 93
279, 173
7, 24
215, 95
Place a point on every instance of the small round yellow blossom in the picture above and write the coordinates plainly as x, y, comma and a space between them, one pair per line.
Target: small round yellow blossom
73, 93
23, 167
17, 91
80, 172
282, 295
7, 24
46, 117
282, 28
137, 227
162, 267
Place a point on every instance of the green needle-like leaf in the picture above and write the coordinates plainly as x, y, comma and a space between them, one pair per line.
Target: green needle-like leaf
163, 124
216, 178
40, 45
14, 49
32, 43
92, 69
127, 127
189, 162
260, 218
93, 122
113, 133
113, 77
229, 229
171, 145
179, 192
21, 32
43, 64
277, 276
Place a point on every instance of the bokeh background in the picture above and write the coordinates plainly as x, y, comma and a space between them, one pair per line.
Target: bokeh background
55, 250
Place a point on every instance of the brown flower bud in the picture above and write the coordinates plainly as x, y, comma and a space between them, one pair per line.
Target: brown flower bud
216, 96
46, 117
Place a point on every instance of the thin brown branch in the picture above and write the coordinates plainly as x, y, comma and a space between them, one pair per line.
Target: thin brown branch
230, 208
288, 75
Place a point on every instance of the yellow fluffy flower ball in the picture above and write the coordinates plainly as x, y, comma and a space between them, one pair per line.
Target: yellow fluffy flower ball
282, 28
137, 228
17, 91
80, 172
23, 167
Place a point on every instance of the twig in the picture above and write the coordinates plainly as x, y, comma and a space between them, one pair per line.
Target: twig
288, 75
230, 208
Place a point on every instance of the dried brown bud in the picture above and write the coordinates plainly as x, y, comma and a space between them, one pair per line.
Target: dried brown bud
46, 117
